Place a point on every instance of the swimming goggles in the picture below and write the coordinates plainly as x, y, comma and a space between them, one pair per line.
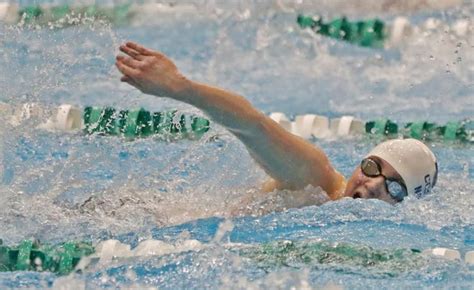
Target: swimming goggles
396, 188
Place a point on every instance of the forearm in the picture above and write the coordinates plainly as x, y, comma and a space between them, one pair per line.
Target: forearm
226, 108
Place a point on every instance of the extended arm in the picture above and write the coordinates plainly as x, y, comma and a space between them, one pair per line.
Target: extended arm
290, 160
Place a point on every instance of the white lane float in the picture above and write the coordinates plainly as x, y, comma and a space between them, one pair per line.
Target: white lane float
62, 118
66, 118
445, 253
282, 120
9, 12
311, 125
347, 125
469, 258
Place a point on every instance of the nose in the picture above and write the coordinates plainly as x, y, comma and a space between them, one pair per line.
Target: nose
375, 186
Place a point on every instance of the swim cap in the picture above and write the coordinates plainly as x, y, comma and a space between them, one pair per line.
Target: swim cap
413, 160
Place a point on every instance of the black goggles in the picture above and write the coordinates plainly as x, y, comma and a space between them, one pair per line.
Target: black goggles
396, 188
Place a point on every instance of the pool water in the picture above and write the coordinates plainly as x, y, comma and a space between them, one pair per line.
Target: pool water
57, 186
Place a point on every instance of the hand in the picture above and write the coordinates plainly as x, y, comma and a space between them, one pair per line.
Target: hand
150, 71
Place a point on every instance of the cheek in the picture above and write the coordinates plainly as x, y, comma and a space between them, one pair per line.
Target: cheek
387, 198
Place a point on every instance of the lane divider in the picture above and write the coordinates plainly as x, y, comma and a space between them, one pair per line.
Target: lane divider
168, 125
310, 125
375, 33
368, 32
66, 257
30, 255
65, 15
171, 125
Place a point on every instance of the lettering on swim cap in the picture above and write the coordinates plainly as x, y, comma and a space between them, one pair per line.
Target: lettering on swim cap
427, 184
419, 192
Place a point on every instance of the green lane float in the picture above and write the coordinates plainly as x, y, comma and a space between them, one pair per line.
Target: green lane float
142, 123
30, 13
59, 16
118, 14
367, 33
29, 255
381, 127
422, 130
374, 33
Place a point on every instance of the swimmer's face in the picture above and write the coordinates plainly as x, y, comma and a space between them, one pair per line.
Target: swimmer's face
362, 186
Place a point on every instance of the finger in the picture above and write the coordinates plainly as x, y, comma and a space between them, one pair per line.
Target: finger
126, 70
131, 52
140, 49
129, 80
128, 61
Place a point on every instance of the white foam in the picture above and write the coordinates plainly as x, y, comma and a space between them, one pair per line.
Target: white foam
25, 112
109, 249
68, 283
461, 27
150, 8
5, 109
153, 248
159, 248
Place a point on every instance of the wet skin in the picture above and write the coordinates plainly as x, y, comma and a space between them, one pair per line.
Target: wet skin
362, 186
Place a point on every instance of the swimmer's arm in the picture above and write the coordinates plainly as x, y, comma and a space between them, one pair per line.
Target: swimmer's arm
290, 160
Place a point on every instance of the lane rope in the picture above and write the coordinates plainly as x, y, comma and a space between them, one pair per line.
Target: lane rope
375, 33
64, 258
321, 127
130, 124
171, 125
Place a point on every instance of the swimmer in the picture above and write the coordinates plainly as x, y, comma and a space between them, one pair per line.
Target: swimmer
391, 171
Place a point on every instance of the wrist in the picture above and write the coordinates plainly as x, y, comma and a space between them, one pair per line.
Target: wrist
182, 90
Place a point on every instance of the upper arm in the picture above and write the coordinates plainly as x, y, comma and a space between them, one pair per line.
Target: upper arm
292, 161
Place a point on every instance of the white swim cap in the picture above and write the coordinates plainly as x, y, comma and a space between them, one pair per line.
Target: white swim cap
413, 160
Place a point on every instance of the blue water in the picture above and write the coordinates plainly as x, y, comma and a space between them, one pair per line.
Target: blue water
60, 186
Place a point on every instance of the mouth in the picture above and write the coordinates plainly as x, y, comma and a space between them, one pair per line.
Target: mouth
362, 192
